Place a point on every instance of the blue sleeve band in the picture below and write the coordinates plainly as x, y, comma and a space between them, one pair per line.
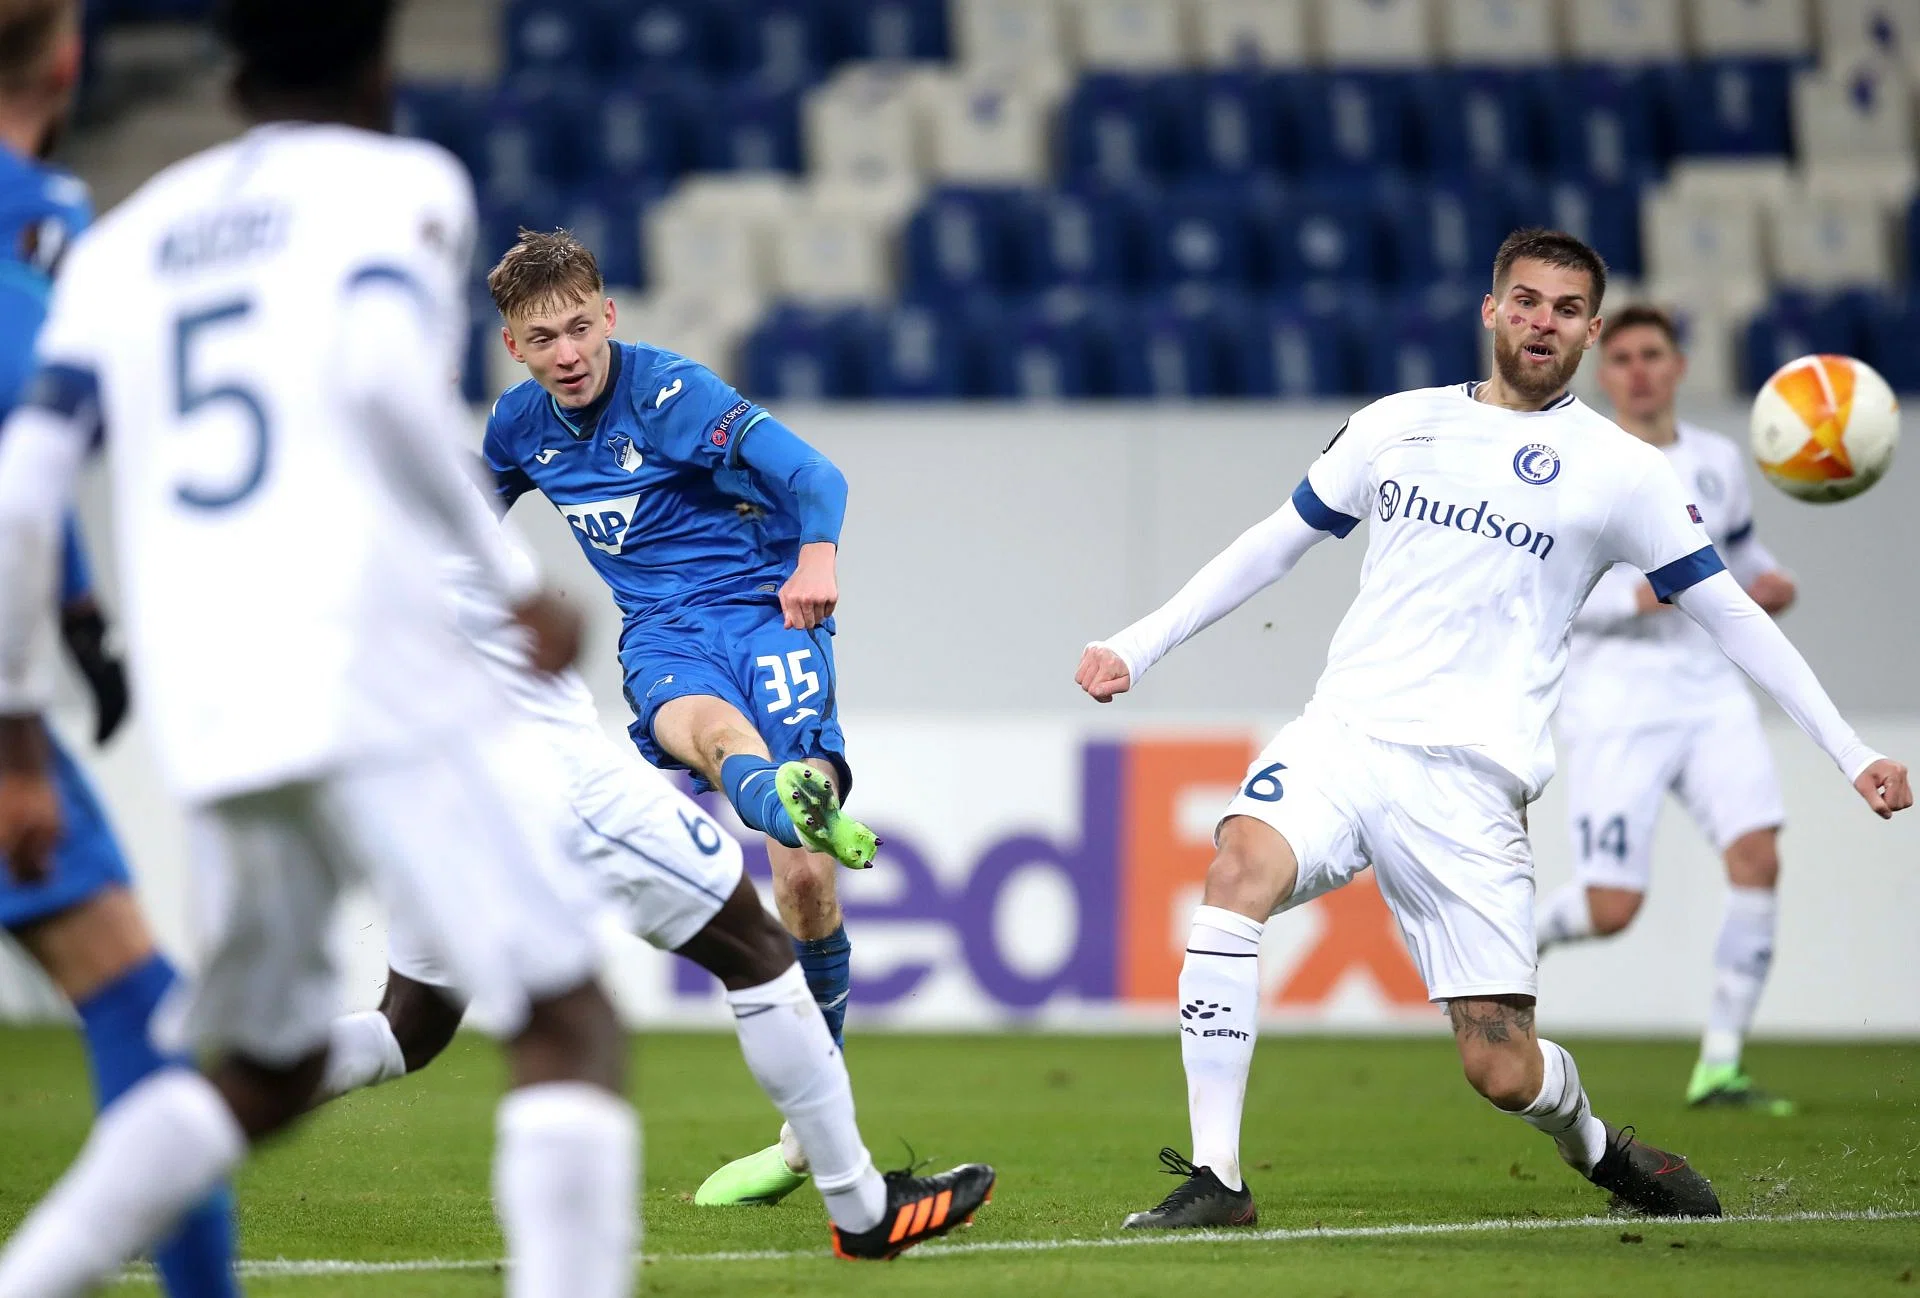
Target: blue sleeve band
1695, 568
1740, 533
71, 393
779, 456
76, 573
1318, 513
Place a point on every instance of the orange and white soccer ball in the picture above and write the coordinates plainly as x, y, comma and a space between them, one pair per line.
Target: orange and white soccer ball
1824, 428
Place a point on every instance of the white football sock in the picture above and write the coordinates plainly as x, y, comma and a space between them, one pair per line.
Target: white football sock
564, 1170
1563, 1111
1564, 917
791, 1054
1740, 961
1219, 1012
361, 1051
153, 1155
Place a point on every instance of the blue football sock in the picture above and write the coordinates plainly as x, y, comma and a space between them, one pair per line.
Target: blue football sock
197, 1260
828, 964
750, 787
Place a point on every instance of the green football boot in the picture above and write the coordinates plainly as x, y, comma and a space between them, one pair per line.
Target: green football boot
762, 1178
1725, 1086
824, 828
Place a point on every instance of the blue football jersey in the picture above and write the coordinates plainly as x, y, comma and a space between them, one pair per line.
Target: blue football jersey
42, 211
650, 479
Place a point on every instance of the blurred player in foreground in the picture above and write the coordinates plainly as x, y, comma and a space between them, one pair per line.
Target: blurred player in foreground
717, 531
671, 878
1652, 707
270, 376
1496, 505
79, 921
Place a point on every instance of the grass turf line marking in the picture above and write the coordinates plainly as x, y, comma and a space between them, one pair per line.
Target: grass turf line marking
327, 1267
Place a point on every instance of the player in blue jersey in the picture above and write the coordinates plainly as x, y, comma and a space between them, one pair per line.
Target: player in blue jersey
79, 920
716, 528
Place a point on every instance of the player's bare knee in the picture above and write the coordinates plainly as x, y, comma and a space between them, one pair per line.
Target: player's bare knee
266, 1098
742, 945
572, 1037
1612, 909
1753, 860
423, 1018
1498, 1050
1248, 875
1504, 1076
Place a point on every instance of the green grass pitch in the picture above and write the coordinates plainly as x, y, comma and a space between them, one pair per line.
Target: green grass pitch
1359, 1137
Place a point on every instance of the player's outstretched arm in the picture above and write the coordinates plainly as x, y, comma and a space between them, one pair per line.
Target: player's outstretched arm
1749, 637
1262, 555
819, 490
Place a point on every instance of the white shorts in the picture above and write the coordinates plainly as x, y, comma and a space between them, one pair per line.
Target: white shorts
1719, 767
451, 853
1443, 829
648, 855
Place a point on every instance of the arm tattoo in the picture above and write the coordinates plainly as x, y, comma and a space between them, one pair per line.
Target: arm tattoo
1495, 1020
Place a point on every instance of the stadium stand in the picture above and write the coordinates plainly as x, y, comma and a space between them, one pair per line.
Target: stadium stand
1196, 198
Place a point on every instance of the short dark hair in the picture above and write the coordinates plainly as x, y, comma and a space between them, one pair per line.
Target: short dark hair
1636, 315
1555, 248
304, 45
544, 269
27, 32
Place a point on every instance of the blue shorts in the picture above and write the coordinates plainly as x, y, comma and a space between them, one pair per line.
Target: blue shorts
781, 680
86, 860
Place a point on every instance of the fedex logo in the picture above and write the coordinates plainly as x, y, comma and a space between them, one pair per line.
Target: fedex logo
602, 524
1118, 887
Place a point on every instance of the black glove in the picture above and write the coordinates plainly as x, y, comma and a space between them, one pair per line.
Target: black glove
84, 628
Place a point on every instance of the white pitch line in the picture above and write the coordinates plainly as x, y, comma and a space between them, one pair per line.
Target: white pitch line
331, 1267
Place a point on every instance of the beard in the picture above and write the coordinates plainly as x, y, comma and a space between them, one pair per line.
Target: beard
1528, 380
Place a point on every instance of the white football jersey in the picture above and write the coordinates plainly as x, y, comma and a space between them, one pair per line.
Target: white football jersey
1487, 529
283, 607
1636, 671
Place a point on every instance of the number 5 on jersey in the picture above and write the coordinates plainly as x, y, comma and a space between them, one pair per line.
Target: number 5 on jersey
789, 681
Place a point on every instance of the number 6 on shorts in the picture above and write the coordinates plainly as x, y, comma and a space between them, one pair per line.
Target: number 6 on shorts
1265, 785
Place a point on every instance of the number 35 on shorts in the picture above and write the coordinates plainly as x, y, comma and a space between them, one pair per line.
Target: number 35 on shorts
790, 683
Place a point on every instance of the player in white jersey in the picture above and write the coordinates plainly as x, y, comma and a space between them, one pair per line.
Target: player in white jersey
1495, 506
669, 876
1651, 707
265, 334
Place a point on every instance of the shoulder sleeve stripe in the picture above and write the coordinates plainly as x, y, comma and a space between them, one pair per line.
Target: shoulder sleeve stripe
381, 273
1740, 533
1318, 513
1691, 570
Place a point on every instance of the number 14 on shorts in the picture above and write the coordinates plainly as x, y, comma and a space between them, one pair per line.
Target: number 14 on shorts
1610, 841
789, 680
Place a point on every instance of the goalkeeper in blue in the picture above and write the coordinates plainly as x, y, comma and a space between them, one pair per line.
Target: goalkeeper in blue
78, 918
716, 529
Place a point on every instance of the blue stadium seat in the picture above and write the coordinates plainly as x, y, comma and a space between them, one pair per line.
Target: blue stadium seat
1444, 231
1732, 107
1893, 343
1605, 124
749, 129
1073, 238
1605, 215
1113, 130
664, 37
1164, 352
960, 241
1224, 125
1197, 237
1347, 123
607, 219
891, 30
778, 44
805, 354
542, 37
914, 353
1435, 339
1474, 122
1795, 323
1325, 235
1913, 241
1292, 349
451, 114
522, 151
636, 135
1044, 349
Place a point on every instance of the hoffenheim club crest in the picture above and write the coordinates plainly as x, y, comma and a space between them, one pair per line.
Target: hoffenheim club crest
1537, 463
625, 451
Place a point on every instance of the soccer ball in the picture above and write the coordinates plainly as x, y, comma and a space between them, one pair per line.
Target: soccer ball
1824, 428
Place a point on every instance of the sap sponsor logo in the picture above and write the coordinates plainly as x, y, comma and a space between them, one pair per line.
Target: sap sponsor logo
602, 523
1536, 463
1410, 503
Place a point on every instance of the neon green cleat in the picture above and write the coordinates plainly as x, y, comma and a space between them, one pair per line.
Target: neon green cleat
1724, 1086
762, 1178
810, 800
